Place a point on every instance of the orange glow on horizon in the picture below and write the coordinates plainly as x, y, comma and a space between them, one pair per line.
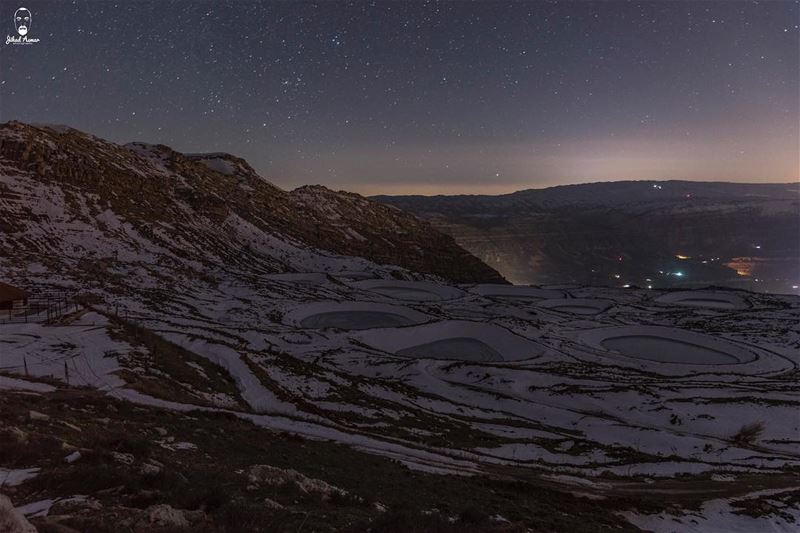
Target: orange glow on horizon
742, 265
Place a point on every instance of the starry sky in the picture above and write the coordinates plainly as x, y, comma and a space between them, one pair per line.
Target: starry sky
425, 97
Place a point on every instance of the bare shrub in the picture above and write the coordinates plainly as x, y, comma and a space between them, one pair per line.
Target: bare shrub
748, 433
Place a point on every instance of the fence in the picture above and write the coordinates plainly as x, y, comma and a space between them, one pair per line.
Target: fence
44, 306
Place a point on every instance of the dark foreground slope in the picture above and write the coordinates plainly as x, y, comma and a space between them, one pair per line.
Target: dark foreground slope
135, 472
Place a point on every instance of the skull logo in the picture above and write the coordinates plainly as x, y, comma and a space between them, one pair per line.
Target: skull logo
22, 21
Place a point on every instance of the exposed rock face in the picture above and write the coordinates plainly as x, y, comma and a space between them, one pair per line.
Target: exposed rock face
11, 520
272, 476
167, 516
171, 197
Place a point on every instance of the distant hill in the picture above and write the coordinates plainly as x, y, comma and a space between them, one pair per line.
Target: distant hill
627, 195
594, 232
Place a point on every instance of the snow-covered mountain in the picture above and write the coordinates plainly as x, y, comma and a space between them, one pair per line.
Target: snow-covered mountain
202, 367
83, 200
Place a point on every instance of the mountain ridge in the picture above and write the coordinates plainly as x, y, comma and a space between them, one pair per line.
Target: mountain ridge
675, 189
146, 183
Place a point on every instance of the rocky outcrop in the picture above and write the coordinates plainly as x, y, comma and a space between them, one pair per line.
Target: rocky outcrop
272, 476
11, 520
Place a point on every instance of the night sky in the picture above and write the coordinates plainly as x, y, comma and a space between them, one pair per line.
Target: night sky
403, 97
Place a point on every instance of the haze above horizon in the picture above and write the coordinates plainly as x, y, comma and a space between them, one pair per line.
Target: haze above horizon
427, 98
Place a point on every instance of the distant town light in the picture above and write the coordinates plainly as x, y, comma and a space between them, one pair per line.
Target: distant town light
679, 256
679, 274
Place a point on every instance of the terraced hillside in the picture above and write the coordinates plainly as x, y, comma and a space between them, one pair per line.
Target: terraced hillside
211, 375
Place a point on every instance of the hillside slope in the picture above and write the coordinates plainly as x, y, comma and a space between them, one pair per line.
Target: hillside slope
170, 199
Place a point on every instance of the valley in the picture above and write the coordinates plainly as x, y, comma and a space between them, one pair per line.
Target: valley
642, 233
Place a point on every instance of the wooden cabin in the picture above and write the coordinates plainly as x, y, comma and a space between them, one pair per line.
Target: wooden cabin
12, 299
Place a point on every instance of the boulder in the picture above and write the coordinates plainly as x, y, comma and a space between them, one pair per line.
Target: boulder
36, 415
166, 516
11, 520
274, 477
